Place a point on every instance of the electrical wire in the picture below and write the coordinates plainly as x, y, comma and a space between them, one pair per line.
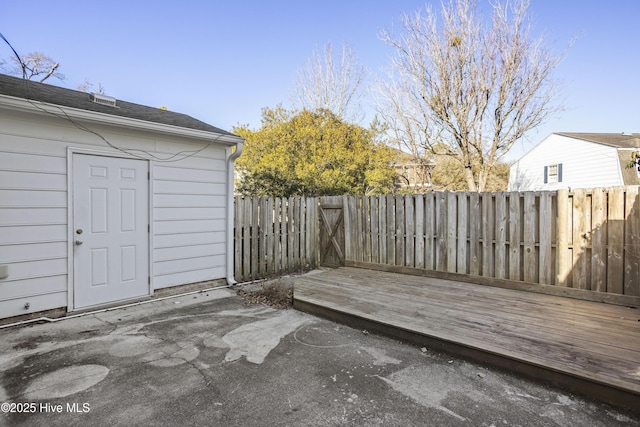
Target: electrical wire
30, 97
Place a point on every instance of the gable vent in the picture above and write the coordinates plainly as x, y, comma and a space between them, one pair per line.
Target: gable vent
103, 99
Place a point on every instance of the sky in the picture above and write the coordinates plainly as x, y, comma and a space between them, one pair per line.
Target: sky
223, 61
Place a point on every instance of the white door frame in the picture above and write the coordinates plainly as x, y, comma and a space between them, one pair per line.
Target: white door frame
70, 219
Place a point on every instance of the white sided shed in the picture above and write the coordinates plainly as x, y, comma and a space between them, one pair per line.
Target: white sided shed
104, 201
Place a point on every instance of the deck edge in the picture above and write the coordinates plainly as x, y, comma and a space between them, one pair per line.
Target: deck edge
559, 291
623, 399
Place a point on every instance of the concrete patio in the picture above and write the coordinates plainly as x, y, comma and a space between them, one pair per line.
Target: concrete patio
207, 359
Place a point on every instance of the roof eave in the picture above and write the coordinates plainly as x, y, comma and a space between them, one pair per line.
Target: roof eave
102, 118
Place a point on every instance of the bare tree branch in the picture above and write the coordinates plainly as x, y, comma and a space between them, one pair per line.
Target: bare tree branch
330, 83
87, 86
36, 65
466, 85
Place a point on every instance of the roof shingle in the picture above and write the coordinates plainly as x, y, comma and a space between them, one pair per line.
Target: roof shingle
619, 140
28, 89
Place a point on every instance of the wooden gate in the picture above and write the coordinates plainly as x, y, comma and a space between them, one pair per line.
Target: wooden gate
331, 231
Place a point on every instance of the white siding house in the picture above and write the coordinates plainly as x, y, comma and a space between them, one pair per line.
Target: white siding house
102, 203
576, 160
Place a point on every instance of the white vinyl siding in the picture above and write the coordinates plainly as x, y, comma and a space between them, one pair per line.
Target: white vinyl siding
188, 208
584, 165
33, 222
189, 221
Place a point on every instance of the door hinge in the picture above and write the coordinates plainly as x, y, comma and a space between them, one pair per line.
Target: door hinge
148, 228
148, 175
149, 279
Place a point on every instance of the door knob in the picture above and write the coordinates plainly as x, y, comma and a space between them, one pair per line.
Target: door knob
79, 231
78, 242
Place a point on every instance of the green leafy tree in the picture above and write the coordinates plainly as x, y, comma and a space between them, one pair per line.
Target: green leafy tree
312, 153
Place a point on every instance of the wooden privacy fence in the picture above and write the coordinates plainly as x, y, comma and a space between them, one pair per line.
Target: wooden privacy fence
584, 239
274, 236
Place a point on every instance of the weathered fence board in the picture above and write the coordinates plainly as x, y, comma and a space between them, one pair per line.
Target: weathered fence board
501, 235
598, 242
546, 242
462, 232
615, 228
274, 236
332, 241
583, 239
530, 266
632, 243
514, 236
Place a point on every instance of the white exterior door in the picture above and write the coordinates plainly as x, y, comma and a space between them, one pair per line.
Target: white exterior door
110, 229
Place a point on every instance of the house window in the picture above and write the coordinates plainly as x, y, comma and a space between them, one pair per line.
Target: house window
553, 173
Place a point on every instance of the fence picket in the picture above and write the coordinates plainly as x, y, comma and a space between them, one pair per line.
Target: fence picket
452, 216
579, 240
290, 232
615, 255
545, 219
382, 212
515, 221
400, 220
429, 230
599, 242
367, 217
391, 230
409, 232
375, 244
501, 236
360, 221
487, 234
463, 223
585, 239
441, 232
418, 202
530, 267
563, 254
269, 227
632, 243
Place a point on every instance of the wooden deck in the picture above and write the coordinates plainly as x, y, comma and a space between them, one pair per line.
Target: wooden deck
588, 347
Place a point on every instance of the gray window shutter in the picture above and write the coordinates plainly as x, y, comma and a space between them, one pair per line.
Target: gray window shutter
546, 174
559, 172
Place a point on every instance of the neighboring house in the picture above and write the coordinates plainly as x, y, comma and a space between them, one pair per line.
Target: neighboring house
577, 160
104, 201
413, 172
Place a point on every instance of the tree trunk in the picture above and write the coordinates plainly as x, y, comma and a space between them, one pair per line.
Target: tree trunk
471, 182
482, 179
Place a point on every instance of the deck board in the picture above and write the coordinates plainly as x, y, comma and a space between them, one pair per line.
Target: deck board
591, 342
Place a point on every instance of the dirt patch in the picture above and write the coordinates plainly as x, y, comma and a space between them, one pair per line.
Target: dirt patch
277, 294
